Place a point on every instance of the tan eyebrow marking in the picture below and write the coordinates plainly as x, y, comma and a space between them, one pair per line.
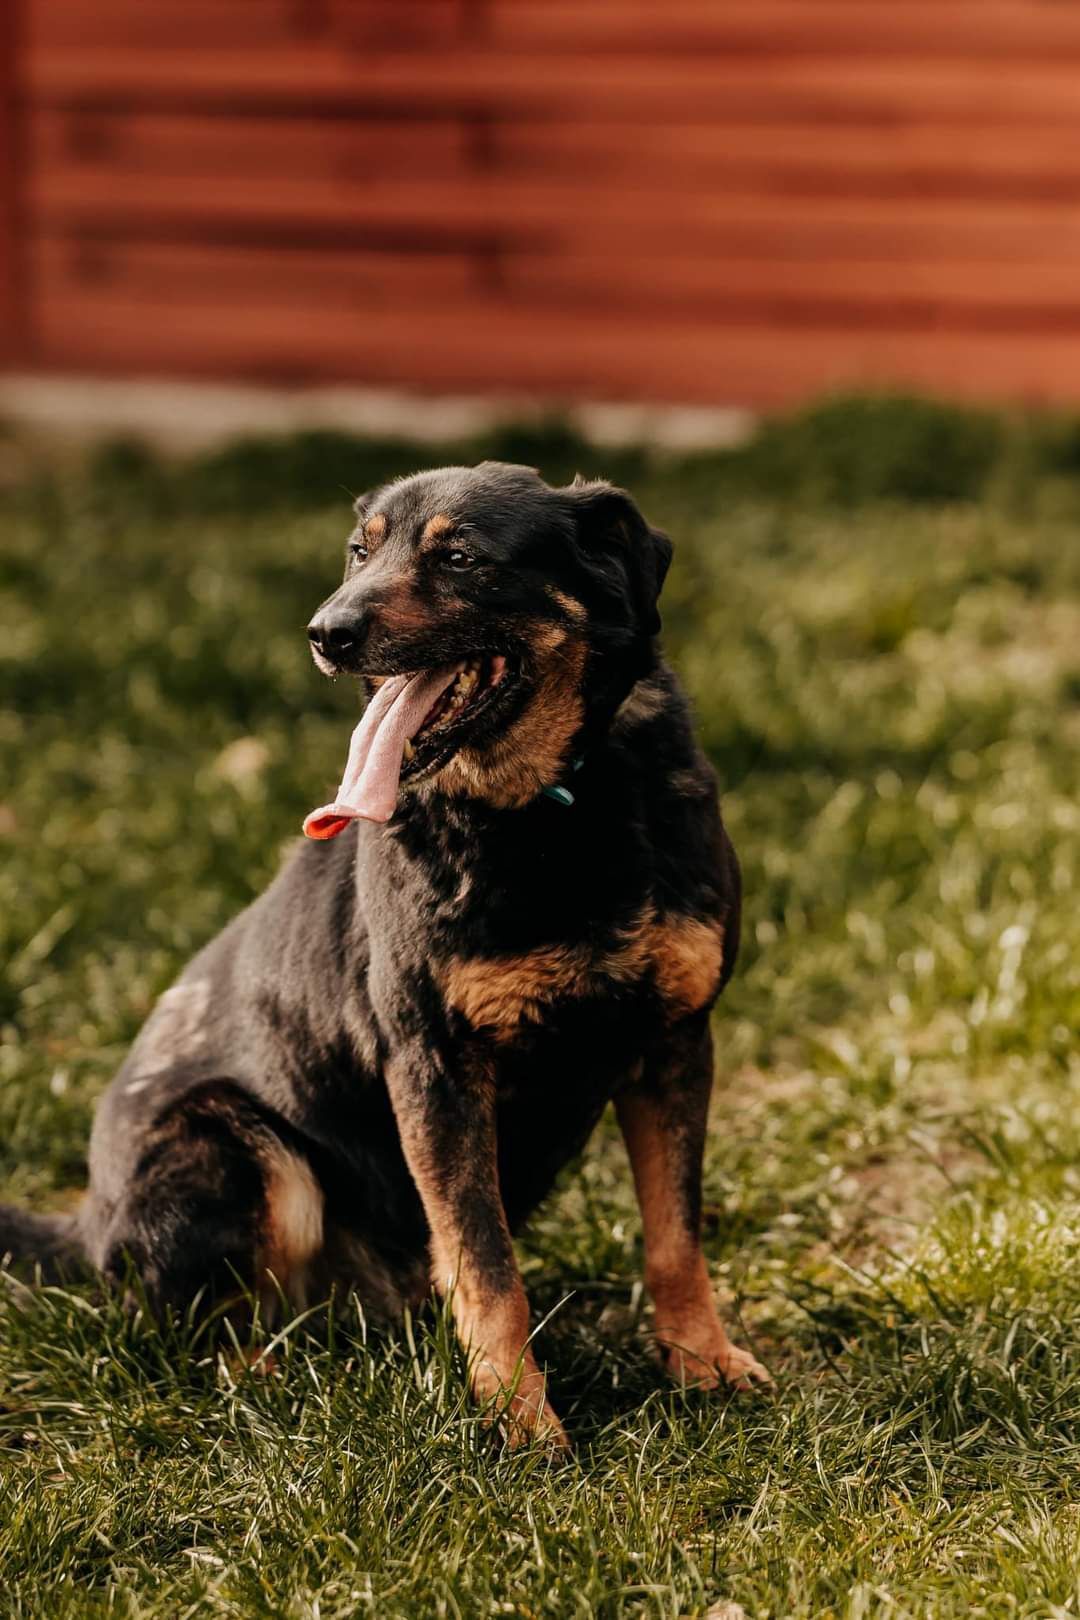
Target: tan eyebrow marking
375, 527
436, 528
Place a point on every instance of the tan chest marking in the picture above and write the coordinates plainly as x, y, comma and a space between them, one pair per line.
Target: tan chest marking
683, 955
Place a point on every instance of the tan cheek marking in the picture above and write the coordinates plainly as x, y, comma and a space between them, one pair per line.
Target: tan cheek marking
532, 752
688, 957
404, 614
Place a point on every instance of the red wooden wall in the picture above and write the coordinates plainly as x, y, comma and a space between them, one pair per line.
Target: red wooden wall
705, 200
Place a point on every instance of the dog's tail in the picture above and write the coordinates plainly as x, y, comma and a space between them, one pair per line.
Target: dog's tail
45, 1245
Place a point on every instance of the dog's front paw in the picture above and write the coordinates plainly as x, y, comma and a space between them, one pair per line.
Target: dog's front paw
741, 1369
702, 1356
519, 1407
523, 1424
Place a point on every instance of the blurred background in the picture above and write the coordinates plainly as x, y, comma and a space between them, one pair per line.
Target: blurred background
739, 203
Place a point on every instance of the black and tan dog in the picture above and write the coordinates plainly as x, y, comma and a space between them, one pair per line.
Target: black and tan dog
376, 1072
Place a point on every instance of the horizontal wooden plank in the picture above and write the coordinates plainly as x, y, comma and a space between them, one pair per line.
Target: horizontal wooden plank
417, 24
200, 273
161, 24
509, 211
550, 353
238, 25
308, 76
1034, 296
1017, 30
936, 160
923, 159
194, 146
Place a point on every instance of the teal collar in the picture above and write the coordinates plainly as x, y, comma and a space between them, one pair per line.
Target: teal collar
562, 795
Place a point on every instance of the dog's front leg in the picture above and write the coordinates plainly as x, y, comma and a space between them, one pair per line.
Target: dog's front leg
663, 1119
447, 1128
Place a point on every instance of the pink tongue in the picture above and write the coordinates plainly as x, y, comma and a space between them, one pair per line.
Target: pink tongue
369, 787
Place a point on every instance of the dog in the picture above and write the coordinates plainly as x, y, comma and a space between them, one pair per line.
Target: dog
520, 905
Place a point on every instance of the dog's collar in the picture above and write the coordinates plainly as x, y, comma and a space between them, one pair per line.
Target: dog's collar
556, 791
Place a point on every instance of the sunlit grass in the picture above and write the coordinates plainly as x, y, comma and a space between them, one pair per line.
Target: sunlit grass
885, 658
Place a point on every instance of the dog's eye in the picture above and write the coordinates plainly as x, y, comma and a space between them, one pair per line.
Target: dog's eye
458, 559
357, 551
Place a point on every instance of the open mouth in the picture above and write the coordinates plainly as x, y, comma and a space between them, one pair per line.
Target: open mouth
413, 724
453, 712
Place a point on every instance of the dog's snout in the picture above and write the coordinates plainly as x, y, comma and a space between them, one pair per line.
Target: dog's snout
336, 633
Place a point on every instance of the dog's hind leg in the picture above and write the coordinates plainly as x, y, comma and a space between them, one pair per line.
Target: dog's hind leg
220, 1202
663, 1120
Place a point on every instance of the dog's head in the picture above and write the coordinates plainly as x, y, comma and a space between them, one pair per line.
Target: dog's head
498, 619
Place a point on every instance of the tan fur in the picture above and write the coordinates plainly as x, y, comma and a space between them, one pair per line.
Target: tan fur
405, 613
294, 1215
501, 993
375, 528
493, 1323
532, 753
693, 1342
687, 958
570, 605
435, 529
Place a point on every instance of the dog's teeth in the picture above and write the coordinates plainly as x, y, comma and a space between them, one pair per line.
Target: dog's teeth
408, 750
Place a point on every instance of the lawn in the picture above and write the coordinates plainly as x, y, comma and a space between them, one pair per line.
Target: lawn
877, 610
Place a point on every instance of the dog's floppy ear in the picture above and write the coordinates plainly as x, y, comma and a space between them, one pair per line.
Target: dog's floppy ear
620, 548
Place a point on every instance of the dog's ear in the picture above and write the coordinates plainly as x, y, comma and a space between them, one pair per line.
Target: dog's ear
628, 557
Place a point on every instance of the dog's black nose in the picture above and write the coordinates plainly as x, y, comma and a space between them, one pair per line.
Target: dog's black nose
334, 635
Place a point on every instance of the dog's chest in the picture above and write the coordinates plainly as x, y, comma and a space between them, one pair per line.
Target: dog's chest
674, 960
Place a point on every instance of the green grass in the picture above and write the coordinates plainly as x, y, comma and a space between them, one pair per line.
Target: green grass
877, 608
